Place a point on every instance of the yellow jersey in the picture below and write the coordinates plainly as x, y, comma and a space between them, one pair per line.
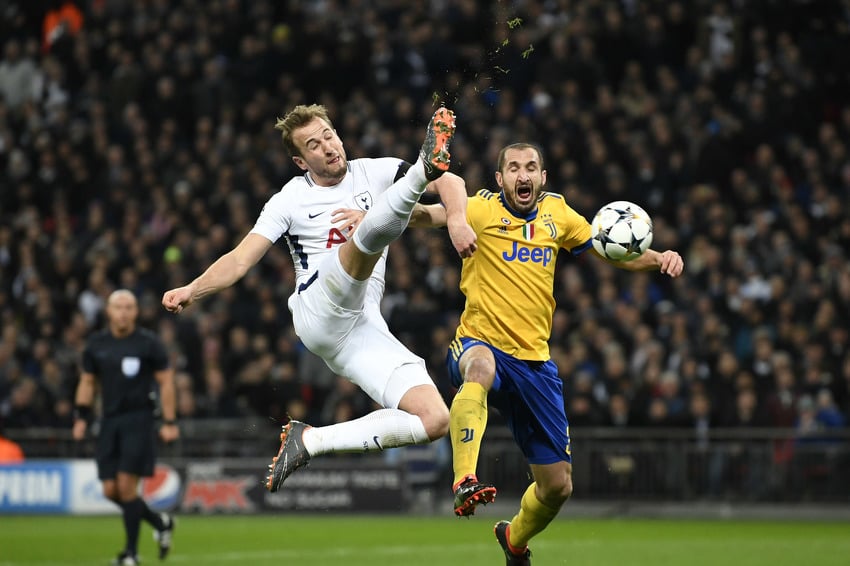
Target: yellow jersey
508, 282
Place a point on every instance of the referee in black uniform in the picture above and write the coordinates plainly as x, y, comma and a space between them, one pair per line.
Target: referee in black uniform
128, 363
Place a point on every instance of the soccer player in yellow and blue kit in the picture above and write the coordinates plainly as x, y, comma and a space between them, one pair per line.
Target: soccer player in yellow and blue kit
501, 346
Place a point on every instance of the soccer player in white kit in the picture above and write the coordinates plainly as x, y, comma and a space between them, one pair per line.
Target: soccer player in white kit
340, 278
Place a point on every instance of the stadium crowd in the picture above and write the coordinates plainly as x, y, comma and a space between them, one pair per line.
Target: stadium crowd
137, 145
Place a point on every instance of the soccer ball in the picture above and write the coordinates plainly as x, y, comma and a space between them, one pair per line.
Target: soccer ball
621, 231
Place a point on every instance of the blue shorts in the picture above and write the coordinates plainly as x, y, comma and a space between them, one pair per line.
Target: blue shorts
530, 396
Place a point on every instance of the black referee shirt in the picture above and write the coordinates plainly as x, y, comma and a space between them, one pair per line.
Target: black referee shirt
125, 368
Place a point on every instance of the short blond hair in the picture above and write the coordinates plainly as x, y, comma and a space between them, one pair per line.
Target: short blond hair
298, 117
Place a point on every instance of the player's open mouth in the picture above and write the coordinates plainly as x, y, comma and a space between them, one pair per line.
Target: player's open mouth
524, 192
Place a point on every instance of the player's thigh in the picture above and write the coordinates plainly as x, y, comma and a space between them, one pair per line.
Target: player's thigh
355, 262
377, 362
321, 325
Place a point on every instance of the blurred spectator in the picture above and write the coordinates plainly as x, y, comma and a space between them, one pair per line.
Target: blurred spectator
815, 453
781, 401
18, 74
27, 405
187, 407
747, 411
618, 414
670, 391
817, 415
345, 399
706, 467
216, 400
743, 467
658, 414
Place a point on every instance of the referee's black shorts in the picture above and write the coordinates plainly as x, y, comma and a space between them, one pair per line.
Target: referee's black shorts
127, 443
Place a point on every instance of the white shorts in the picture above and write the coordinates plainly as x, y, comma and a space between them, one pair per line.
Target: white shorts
356, 344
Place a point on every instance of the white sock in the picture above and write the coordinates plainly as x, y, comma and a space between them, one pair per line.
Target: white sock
384, 428
416, 174
388, 217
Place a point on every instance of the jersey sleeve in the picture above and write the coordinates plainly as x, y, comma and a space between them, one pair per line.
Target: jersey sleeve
477, 211
576, 231
274, 219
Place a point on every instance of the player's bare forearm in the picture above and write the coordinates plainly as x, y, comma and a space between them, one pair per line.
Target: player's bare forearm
452, 190
428, 216
668, 262
224, 272
464, 239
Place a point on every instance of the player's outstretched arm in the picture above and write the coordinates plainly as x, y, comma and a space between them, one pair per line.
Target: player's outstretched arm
428, 216
452, 191
224, 272
668, 262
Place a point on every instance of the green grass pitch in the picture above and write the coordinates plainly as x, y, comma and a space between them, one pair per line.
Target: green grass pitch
427, 541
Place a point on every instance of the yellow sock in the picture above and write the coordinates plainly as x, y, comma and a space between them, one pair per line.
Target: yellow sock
532, 518
467, 422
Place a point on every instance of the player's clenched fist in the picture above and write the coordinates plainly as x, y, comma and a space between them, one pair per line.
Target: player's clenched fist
177, 299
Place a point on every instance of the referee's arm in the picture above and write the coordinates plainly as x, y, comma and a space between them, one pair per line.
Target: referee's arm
168, 399
83, 404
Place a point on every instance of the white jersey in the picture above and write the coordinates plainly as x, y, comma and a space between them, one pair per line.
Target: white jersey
301, 212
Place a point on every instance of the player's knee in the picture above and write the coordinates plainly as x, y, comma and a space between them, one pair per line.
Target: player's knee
435, 418
480, 370
566, 489
437, 422
556, 492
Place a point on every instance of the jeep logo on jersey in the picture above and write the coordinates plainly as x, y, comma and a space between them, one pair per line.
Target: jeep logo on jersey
364, 200
130, 365
525, 254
